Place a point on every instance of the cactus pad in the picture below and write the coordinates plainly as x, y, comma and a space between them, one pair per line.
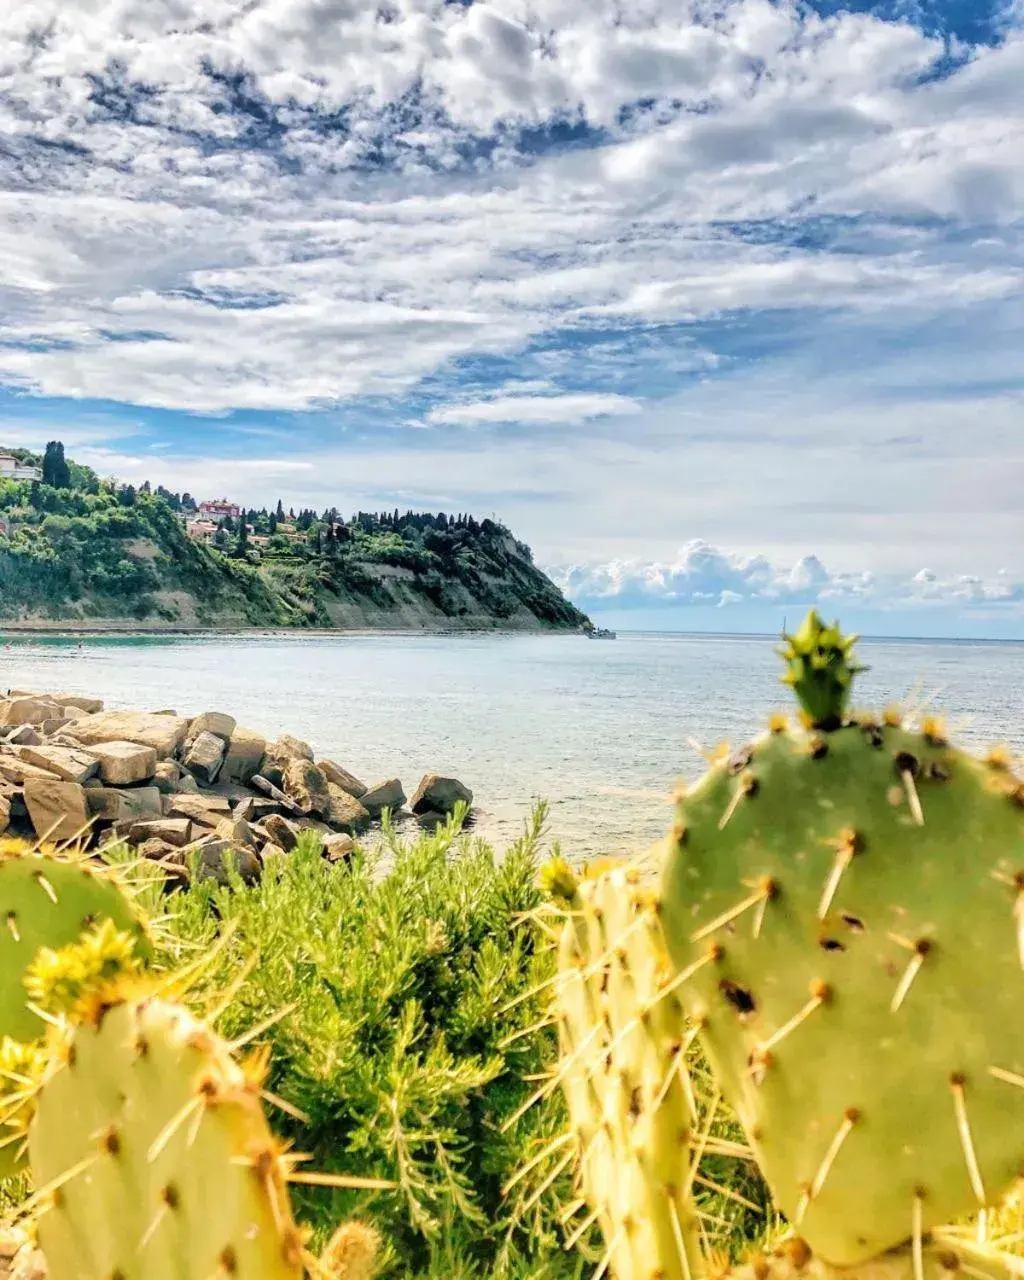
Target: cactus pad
47, 901
848, 902
154, 1142
624, 1075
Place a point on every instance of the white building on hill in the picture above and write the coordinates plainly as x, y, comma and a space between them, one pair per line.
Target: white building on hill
12, 469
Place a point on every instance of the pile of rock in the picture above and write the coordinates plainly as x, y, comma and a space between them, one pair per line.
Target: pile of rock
186, 791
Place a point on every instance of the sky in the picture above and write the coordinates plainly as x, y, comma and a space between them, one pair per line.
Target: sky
718, 306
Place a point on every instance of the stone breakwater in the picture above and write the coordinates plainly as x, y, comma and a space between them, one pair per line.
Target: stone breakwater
193, 793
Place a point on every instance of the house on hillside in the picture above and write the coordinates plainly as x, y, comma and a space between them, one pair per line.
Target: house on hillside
202, 530
218, 510
12, 469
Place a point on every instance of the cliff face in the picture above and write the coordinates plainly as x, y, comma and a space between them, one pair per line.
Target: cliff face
94, 553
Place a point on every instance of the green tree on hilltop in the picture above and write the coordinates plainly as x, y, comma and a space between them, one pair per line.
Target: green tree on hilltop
56, 471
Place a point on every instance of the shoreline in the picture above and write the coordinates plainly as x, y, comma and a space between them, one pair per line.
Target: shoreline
117, 627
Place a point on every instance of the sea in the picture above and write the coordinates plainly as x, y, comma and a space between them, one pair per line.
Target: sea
602, 730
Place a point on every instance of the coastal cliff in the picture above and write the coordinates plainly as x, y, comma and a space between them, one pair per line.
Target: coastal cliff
80, 552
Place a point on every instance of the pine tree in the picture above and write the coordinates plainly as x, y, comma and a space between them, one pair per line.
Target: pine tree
56, 471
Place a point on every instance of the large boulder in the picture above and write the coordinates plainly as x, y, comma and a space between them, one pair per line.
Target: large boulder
439, 794
164, 733
122, 763
237, 832
338, 846
281, 831
213, 853
307, 786
347, 814
255, 808
215, 722
288, 748
109, 804
173, 831
26, 735
205, 757
383, 795
56, 809
265, 787
342, 778
244, 755
28, 710
66, 763
79, 701
167, 776
205, 809
5, 813
17, 771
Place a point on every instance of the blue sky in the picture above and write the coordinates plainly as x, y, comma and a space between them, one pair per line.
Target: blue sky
721, 308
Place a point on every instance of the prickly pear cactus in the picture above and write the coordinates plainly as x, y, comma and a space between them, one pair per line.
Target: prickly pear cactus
46, 900
152, 1140
624, 1074
846, 899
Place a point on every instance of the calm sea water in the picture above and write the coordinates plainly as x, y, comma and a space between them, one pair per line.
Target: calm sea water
600, 729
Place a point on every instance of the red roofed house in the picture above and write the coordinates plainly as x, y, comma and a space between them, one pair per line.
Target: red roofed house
218, 510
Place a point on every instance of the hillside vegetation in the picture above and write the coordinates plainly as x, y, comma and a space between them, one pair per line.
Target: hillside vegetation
78, 549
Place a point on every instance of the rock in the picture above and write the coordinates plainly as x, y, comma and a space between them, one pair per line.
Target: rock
207, 810
164, 733
122, 763
173, 831
66, 763
167, 775
49, 727
384, 795
236, 832
187, 783
342, 778
212, 857
25, 735
16, 771
79, 701
255, 808
262, 784
439, 794
270, 851
244, 755
273, 773
56, 809
281, 831
205, 757
28, 710
215, 722
288, 748
5, 813
429, 820
109, 804
346, 812
307, 786
338, 847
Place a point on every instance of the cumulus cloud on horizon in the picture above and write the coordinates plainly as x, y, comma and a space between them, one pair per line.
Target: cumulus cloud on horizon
702, 574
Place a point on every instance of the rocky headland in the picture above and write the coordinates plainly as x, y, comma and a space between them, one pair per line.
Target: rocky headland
194, 793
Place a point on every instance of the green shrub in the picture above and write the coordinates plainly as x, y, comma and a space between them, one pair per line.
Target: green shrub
398, 971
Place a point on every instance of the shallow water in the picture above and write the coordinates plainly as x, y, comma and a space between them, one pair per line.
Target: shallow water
598, 728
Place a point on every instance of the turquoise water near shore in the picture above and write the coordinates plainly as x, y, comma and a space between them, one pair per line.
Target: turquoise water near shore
601, 729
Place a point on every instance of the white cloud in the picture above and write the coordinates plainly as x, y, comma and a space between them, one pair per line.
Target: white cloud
702, 574
287, 275
538, 410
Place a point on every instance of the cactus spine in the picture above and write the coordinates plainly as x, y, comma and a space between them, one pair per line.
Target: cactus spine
624, 1075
